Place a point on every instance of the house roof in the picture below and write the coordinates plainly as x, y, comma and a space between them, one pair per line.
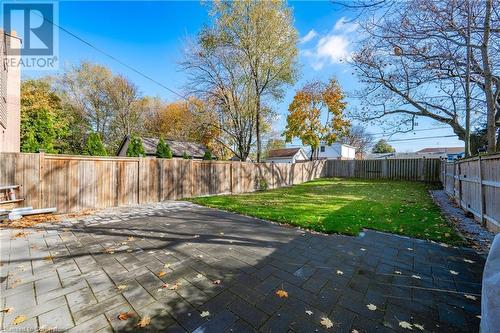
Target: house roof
443, 150
193, 149
283, 153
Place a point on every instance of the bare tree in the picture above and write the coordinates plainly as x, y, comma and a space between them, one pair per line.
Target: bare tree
419, 59
358, 137
215, 76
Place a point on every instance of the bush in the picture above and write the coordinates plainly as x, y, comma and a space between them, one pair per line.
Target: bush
163, 149
262, 184
207, 156
185, 156
94, 146
135, 147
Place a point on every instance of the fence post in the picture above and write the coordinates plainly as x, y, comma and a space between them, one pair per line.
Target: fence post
481, 194
41, 162
139, 180
385, 173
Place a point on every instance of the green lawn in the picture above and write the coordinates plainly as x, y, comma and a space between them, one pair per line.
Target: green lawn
335, 205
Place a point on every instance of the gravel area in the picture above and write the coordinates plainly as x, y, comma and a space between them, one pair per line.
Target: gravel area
478, 237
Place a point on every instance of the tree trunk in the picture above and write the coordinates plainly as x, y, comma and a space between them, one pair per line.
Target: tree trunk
467, 87
488, 81
257, 127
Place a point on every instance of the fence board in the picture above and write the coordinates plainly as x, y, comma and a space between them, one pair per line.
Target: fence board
475, 185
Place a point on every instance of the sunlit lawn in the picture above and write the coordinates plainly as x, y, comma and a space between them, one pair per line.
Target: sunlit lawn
346, 206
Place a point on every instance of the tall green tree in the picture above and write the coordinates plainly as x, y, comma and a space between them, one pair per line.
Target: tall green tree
163, 149
44, 122
94, 146
264, 41
135, 147
382, 146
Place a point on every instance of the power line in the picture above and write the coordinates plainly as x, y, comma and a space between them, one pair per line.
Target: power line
406, 132
430, 137
114, 58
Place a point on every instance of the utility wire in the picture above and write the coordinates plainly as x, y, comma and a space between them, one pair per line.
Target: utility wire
113, 58
430, 137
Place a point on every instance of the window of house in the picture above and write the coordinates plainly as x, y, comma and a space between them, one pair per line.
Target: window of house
322, 149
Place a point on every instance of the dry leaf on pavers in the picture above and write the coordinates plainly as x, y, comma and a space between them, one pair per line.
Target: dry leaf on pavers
130, 238
7, 310
416, 277
362, 249
174, 286
217, 281
469, 261
162, 273
204, 314
167, 265
144, 322
398, 272
125, 315
19, 319
453, 272
281, 293
371, 307
20, 234
354, 331
109, 251
326, 322
405, 324
339, 272
470, 297
121, 286
309, 312
420, 327
199, 276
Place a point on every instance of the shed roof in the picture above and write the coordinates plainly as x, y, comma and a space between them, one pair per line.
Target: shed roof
283, 153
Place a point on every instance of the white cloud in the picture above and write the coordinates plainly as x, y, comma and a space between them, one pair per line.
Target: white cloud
310, 35
333, 47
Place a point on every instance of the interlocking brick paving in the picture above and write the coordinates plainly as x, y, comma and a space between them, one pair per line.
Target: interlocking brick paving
190, 268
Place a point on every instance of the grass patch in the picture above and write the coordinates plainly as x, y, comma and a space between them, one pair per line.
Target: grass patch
336, 205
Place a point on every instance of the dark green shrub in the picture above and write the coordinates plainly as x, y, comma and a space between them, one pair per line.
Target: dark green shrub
135, 147
94, 146
163, 149
185, 156
207, 156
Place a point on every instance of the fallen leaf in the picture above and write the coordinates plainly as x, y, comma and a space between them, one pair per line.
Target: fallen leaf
7, 310
340, 272
121, 286
151, 252
371, 307
281, 293
130, 238
174, 286
478, 316
144, 322
196, 236
19, 319
125, 315
326, 322
409, 249
420, 327
204, 314
453, 272
167, 265
416, 277
405, 324
309, 312
199, 276
398, 272
470, 297
469, 261
162, 273
362, 249
48, 258
354, 331
217, 282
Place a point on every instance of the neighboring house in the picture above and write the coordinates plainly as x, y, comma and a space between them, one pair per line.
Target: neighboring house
286, 155
10, 90
192, 149
336, 151
449, 153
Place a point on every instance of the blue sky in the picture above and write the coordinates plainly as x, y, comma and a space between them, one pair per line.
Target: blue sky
149, 36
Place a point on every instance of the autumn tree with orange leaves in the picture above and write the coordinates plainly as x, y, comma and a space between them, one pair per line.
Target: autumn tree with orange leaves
316, 115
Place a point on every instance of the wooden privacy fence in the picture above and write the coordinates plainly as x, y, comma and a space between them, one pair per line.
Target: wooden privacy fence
421, 169
474, 183
73, 183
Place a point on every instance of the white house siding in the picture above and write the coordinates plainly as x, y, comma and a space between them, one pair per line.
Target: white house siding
337, 151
